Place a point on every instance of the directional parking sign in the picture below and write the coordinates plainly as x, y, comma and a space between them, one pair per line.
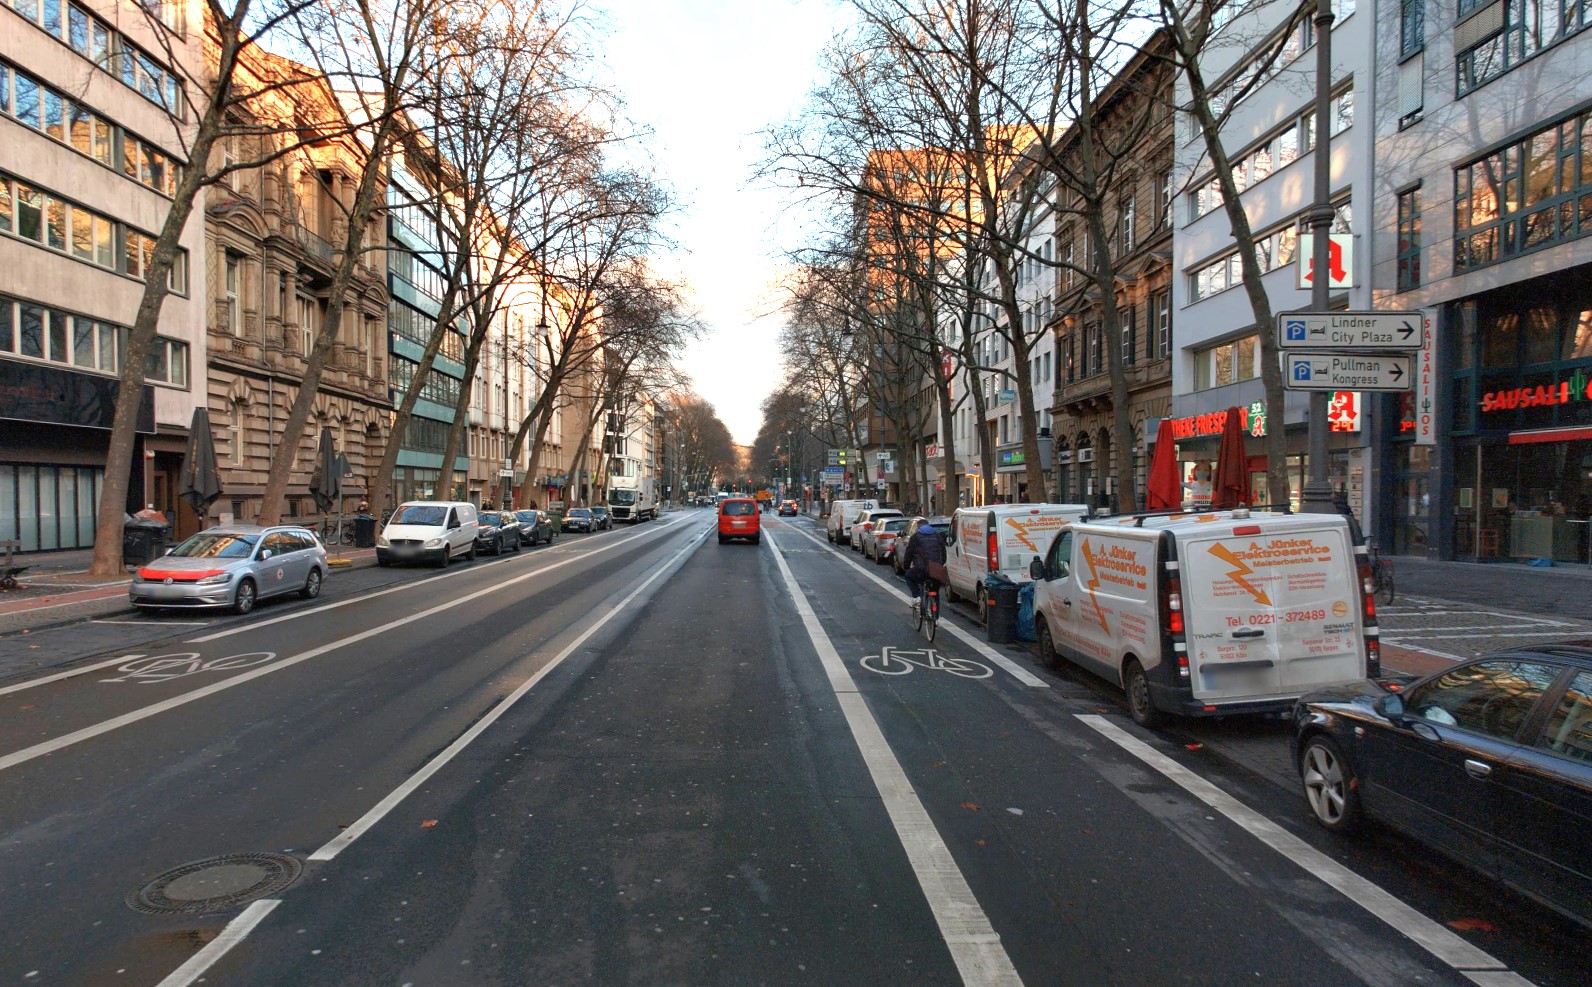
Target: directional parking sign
1346, 372
1350, 331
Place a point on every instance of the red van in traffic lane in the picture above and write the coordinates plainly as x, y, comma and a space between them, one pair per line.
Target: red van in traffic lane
738, 518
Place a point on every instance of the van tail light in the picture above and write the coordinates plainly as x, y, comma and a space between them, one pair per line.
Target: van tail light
1172, 606
1373, 658
1367, 591
994, 552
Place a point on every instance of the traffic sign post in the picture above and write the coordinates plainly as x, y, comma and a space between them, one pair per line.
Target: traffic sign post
1350, 331
1346, 372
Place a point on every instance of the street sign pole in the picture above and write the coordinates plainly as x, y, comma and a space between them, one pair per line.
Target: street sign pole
1316, 498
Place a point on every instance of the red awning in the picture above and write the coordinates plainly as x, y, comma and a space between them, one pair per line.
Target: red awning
1550, 435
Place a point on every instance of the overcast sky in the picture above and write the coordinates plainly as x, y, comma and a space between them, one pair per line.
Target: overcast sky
706, 76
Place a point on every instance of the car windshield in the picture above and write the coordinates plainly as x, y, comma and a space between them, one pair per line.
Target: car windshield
420, 514
739, 507
896, 524
491, 519
599, 510
621, 496
527, 517
580, 512
216, 545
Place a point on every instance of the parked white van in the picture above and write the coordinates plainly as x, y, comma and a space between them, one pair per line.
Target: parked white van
1209, 614
842, 515
1001, 538
435, 531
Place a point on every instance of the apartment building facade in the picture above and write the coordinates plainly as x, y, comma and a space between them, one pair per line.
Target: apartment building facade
93, 115
1483, 205
1270, 137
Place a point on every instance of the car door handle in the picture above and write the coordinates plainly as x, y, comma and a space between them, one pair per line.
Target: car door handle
1477, 769
1250, 632
1066, 603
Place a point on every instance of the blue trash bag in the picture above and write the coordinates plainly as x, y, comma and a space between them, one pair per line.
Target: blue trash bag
1541, 563
1025, 613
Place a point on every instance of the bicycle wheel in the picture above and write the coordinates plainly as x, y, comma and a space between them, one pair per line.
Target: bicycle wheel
966, 668
886, 666
1384, 585
918, 615
931, 617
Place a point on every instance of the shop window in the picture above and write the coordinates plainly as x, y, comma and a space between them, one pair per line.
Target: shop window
1578, 337
1500, 341
1540, 336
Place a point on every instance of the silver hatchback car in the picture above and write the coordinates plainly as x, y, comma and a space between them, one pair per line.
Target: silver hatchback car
234, 565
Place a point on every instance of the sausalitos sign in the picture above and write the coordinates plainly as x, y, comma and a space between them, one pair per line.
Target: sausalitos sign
1577, 388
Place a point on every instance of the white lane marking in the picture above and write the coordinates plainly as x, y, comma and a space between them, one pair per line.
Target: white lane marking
1013, 669
157, 623
972, 940
1430, 633
342, 840
295, 615
69, 673
234, 933
1425, 651
88, 733
1424, 932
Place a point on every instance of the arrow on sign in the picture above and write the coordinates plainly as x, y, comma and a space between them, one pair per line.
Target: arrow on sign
1407, 330
1396, 372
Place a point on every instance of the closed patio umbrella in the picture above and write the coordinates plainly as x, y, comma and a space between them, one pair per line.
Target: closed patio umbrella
201, 483
1230, 485
326, 485
1164, 490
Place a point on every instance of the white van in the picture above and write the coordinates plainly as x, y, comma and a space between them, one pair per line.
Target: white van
434, 531
842, 515
1001, 538
1209, 614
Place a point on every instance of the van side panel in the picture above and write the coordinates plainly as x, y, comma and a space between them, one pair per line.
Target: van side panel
1114, 594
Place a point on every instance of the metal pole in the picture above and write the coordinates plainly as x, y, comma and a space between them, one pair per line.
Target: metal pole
1316, 497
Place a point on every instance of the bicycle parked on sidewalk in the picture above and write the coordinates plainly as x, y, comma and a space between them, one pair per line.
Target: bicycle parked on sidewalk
337, 531
1381, 575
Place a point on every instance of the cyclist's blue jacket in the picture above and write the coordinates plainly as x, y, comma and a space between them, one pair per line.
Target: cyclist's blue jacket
926, 546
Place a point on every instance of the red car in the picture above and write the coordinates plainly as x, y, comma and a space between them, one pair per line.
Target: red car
738, 518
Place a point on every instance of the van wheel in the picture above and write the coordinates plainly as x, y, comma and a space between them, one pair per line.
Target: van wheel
831, 536
1137, 686
447, 556
1047, 644
983, 606
470, 555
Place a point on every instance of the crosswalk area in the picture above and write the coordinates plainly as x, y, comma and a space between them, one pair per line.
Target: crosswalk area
1462, 630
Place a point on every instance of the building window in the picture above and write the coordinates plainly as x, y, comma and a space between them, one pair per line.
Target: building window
1412, 27
167, 362
1163, 201
1125, 210
1161, 312
1531, 194
1502, 35
234, 313
1277, 151
1130, 331
1409, 248
1227, 363
306, 322
1272, 251
60, 225
236, 428
1096, 347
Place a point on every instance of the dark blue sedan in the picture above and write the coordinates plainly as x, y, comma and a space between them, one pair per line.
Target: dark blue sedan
1489, 762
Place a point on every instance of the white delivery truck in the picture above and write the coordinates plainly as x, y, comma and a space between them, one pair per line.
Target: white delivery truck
1209, 614
842, 515
1001, 538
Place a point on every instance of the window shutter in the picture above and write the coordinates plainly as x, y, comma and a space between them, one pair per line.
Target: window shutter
1411, 84
1481, 25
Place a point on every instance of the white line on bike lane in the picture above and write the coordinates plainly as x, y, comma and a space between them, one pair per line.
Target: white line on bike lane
1013, 669
974, 944
115, 723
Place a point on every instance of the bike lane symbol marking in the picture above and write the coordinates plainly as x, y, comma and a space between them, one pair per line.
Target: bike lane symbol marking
898, 661
163, 668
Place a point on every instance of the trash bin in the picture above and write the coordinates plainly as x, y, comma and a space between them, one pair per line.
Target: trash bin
143, 541
364, 531
1001, 596
1025, 613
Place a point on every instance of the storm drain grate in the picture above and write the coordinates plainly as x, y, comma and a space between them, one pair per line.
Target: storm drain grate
215, 884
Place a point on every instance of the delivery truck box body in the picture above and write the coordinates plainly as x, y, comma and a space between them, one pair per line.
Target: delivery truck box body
1001, 538
1210, 614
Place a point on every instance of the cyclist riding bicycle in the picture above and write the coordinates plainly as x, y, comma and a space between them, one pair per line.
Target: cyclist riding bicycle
927, 545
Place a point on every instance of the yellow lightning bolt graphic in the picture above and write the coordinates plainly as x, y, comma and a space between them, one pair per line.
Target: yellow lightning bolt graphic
1240, 570
1092, 585
1022, 535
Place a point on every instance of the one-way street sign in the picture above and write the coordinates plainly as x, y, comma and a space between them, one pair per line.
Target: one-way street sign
1346, 372
1355, 331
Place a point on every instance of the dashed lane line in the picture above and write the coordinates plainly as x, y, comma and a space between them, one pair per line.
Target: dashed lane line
974, 944
235, 932
1475, 964
115, 723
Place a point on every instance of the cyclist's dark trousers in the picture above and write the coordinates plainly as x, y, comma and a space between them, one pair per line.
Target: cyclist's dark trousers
915, 579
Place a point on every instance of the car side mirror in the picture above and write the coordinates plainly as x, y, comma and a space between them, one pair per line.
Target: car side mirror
265, 554
1390, 706
1036, 569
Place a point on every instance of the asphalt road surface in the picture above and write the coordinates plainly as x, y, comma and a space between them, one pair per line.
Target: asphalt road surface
642, 757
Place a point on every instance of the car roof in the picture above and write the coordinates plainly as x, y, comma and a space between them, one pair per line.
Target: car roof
250, 529
1579, 649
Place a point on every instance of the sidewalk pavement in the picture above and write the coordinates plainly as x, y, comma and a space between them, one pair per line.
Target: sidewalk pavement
57, 588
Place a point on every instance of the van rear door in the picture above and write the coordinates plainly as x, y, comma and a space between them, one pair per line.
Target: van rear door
1271, 611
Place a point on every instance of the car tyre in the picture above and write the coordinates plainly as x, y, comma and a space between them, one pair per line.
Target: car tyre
1330, 786
312, 585
983, 606
722, 539
1047, 644
245, 598
1137, 686
447, 556
757, 539
470, 555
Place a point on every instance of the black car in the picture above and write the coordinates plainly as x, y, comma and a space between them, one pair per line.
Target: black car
535, 527
579, 519
788, 508
499, 532
601, 520
1489, 762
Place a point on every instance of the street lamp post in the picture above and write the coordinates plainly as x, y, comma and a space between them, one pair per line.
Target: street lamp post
1316, 497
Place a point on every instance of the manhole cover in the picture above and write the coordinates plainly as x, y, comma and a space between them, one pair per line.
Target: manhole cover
216, 884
